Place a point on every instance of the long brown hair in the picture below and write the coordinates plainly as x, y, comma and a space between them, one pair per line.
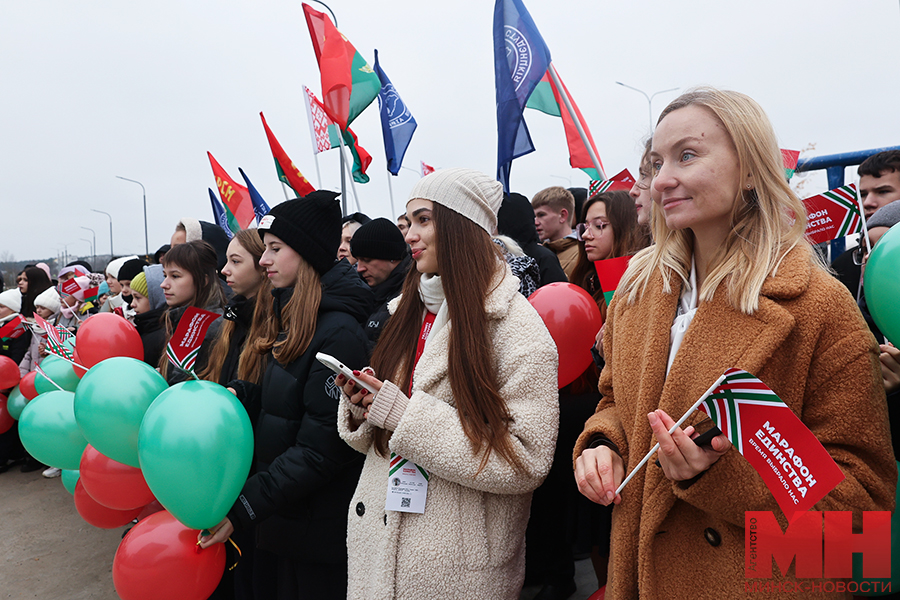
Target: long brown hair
200, 260
467, 262
627, 239
250, 364
298, 319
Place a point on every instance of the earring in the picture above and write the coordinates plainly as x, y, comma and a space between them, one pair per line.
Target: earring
749, 187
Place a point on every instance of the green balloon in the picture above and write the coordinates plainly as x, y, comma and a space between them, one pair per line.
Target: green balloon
16, 403
882, 285
195, 446
69, 479
111, 401
49, 432
59, 371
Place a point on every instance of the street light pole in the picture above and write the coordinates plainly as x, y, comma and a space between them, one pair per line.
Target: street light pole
333, 18
111, 253
649, 98
89, 244
146, 237
93, 245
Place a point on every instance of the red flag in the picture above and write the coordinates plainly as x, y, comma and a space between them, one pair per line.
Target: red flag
55, 336
621, 181
833, 214
234, 195
184, 346
13, 328
70, 287
334, 64
610, 272
789, 158
425, 169
287, 171
792, 462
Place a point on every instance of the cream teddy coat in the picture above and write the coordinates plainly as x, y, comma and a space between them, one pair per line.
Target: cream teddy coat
808, 343
470, 541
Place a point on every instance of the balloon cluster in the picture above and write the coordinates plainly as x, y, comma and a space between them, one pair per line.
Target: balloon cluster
882, 286
130, 447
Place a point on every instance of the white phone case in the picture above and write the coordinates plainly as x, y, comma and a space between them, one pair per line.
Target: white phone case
339, 367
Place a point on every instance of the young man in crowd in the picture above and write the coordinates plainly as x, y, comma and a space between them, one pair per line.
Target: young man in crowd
554, 215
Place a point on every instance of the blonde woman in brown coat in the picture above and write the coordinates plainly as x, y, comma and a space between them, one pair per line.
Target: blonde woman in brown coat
731, 282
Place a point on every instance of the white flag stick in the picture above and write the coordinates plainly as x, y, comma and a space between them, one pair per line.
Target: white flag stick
672, 430
862, 215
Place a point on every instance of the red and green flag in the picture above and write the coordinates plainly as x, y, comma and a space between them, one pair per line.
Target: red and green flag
235, 197
792, 462
184, 347
325, 136
288, 173
609, 273
55, 337
790, 158
833, 214
620, 181
349, 84
13, 328
546, 98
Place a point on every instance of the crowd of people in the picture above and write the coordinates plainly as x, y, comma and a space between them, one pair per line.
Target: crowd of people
454, 393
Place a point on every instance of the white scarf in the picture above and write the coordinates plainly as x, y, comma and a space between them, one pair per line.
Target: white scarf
687, 308
431, 291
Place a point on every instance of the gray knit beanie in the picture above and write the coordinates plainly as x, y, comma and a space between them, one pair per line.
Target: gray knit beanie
468, 192
886, 216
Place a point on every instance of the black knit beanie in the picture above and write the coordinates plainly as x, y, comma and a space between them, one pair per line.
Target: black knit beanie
379, 238
310, 225
358, 217
130, 269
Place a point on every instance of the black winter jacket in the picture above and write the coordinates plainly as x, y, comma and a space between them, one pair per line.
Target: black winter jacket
240, 311
385, 291
153, 334
305, 474
516, 219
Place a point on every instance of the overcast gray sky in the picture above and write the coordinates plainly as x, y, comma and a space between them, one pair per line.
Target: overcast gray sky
91, 90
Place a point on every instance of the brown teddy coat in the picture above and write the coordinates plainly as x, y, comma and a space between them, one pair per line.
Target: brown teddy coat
809, 343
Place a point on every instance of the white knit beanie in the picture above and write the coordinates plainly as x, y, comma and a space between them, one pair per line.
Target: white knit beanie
48, 299
468, 192
113, 267
12, 299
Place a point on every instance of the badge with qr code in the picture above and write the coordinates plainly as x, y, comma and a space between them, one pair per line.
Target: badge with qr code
407, 486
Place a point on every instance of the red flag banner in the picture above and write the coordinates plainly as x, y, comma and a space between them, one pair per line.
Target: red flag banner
184, 346
609, 272
790, 158
234, 195
55, 337
334, 64
319, 122
13, 328
621, 181
833, 214
792, 462
70, 287
287, 171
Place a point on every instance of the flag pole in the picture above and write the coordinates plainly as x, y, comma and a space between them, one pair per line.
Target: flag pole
576, 120
318, 172
343, 180
391, 192
312, 133
862, 216
284, 188
672, 430
346, 167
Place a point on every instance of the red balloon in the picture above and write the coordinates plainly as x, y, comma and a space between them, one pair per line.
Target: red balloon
573, 319
159, 558
78, 370
26, 386
9, 373
98, 515
106, 335
111, 483
6, 420
151, 509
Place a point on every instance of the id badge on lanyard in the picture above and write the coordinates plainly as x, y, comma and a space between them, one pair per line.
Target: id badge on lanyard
407, 485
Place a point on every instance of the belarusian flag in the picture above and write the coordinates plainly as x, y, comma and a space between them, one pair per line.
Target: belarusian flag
609, 272
425, 169
833, 214
325, 137
55, 338
349, 84
13, 328
184, 347
235, 197
546, 99
621, 181
792, 462
790, 158
287, 172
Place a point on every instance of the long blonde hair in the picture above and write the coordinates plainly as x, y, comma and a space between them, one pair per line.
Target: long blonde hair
766, 221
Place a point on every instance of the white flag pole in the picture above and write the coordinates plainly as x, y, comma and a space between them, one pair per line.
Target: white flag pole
862, 215
578, 125
312, 133
672, 430
391, 192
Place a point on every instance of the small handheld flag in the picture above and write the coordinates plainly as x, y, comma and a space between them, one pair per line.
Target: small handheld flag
833, 214
55, 338
610, 272
183, 348
792, 462
13, 328
620, 181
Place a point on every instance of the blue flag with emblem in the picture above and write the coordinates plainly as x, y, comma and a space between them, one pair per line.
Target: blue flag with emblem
260, 208
520, 60
397, 123
219, 214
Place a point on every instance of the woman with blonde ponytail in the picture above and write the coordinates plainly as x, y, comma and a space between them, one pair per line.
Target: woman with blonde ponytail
730, 282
